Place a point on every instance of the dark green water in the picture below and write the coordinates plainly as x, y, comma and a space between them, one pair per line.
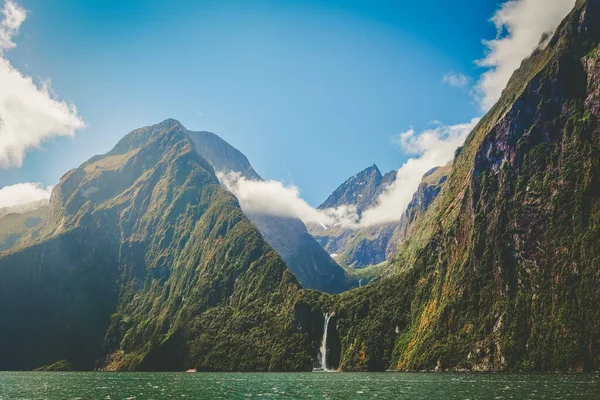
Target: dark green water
53, 386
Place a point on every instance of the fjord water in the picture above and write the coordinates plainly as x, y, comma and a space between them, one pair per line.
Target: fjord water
212, 386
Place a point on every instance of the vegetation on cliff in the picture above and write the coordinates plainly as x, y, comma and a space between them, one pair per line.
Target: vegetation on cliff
145, 262
502, 270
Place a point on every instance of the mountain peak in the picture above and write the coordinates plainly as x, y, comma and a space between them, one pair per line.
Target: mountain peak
372, 169
359, 190
141, 136
169, 123
371, 172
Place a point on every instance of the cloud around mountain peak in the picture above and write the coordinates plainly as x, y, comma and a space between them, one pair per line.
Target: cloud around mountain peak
520, 24
430, 148
278, 199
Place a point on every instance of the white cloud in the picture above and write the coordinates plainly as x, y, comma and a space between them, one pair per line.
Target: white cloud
29, 113
14, 16
275, 198
520, 25
23, 193
433, 148
456, 79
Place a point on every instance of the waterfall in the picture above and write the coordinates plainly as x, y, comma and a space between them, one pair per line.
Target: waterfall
324, 343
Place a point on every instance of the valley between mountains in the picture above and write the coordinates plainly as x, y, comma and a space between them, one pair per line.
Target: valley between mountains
143, 261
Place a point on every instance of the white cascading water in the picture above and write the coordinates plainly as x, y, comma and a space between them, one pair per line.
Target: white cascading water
324, 343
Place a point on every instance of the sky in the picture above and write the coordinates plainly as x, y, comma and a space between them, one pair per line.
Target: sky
312, 92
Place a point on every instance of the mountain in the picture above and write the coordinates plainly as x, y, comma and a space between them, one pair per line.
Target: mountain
24, 208
311, 264
359, 248
143, 262
20, 224
501, 272
360, 191
356, 248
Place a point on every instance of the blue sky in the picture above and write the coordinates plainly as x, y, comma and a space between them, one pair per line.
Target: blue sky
311, 91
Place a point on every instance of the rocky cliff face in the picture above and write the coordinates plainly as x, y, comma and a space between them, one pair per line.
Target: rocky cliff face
501, 271
145, 262
359, 191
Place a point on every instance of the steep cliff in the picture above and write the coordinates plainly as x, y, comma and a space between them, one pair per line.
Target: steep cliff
502, 270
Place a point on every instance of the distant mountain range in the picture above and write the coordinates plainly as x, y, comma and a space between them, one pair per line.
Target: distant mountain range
143, 261
361, 190
359, 248
19, 224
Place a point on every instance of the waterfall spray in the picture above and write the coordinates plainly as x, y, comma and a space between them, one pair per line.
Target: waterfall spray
324, 343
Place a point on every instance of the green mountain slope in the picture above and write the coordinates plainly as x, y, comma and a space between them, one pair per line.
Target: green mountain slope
145, 262
502, 271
